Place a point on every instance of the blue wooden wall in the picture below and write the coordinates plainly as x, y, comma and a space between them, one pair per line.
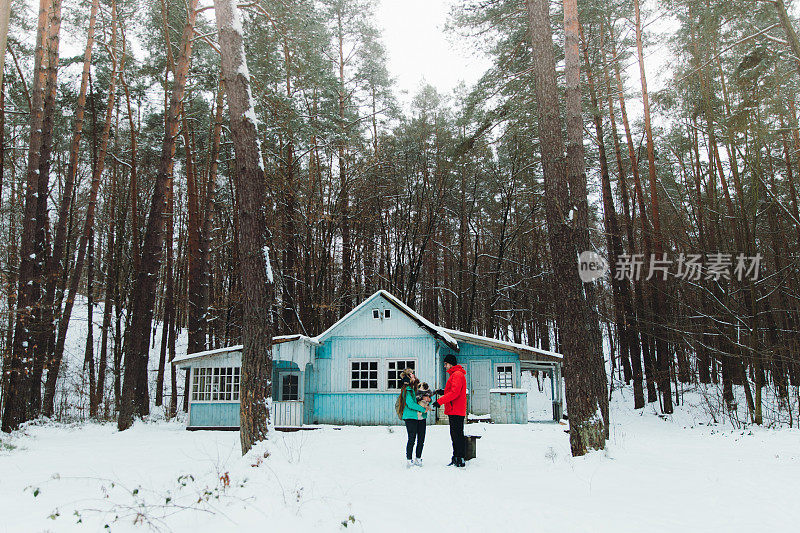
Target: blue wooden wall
214, 414
360, 409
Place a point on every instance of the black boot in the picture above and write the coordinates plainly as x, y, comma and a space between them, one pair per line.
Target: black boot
453, 461
460, 462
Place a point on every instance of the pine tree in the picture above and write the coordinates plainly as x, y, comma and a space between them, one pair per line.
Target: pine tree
256, 270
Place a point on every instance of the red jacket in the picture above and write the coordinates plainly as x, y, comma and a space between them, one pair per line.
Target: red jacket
454, 398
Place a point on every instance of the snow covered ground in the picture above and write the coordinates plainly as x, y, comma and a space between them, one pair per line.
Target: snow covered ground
683, 472
657, 474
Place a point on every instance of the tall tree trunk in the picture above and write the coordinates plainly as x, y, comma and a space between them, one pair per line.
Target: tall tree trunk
20, 367
108, 299
255, 268
56, 266
345, 300
643, 318
54, 363
133, 193
586, 416
631, 359
576, 179
197, 339
88, 357
289, 205
168, 321
42, 323
135, 395
658, 300
11, 302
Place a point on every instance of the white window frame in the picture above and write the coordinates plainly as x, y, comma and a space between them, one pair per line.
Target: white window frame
376, 314
235, 384
387, 313
281, 375
377, 361
496, 379
386, 370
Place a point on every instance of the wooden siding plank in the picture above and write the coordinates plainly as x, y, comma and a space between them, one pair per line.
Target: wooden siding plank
214, 414
356, 408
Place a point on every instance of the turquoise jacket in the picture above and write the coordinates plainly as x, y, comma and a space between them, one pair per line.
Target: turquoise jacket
412, 407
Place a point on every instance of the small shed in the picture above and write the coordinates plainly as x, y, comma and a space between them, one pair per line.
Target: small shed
508, 406
349, 374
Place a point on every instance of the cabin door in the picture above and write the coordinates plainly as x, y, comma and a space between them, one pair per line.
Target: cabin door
287, 406
480, 383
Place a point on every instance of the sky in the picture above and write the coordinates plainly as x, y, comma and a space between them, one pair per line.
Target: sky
419, 50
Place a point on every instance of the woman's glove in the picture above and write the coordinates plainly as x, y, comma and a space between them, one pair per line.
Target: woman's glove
436, 405
439, 392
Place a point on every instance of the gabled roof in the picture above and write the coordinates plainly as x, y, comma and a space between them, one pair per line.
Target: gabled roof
424, 323
524, 351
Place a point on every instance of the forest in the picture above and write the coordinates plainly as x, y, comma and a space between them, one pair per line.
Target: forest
242, 171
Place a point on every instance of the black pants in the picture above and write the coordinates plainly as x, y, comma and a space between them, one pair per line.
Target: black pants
416, 431
457, 435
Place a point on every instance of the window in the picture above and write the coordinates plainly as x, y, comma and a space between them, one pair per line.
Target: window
376, 313
394, 368
220, 384
290, 387
387, 313
364, 375
505, 376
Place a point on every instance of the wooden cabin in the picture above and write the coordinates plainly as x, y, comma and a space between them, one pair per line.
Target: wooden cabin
349, 373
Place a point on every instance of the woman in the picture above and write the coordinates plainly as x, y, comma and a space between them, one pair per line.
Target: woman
414, 416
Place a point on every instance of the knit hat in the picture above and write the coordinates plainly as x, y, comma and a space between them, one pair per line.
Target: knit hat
450, 358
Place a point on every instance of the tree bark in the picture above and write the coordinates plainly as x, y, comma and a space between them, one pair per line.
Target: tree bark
658, 299
56, 266
108, 299
643, 318
20, 365
42, 322
54, 363
255, 268
586, 416
631, 359
88, 356
195, 313
345, 299
135, 396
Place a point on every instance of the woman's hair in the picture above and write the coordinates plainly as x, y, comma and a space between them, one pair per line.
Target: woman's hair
405, 381
401, 401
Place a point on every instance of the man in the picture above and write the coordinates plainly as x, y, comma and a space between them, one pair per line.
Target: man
454, 399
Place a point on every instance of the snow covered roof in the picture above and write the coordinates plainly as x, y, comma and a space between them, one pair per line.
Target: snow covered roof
524, 351
198, 355
238, 347
288, 338
435, 330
